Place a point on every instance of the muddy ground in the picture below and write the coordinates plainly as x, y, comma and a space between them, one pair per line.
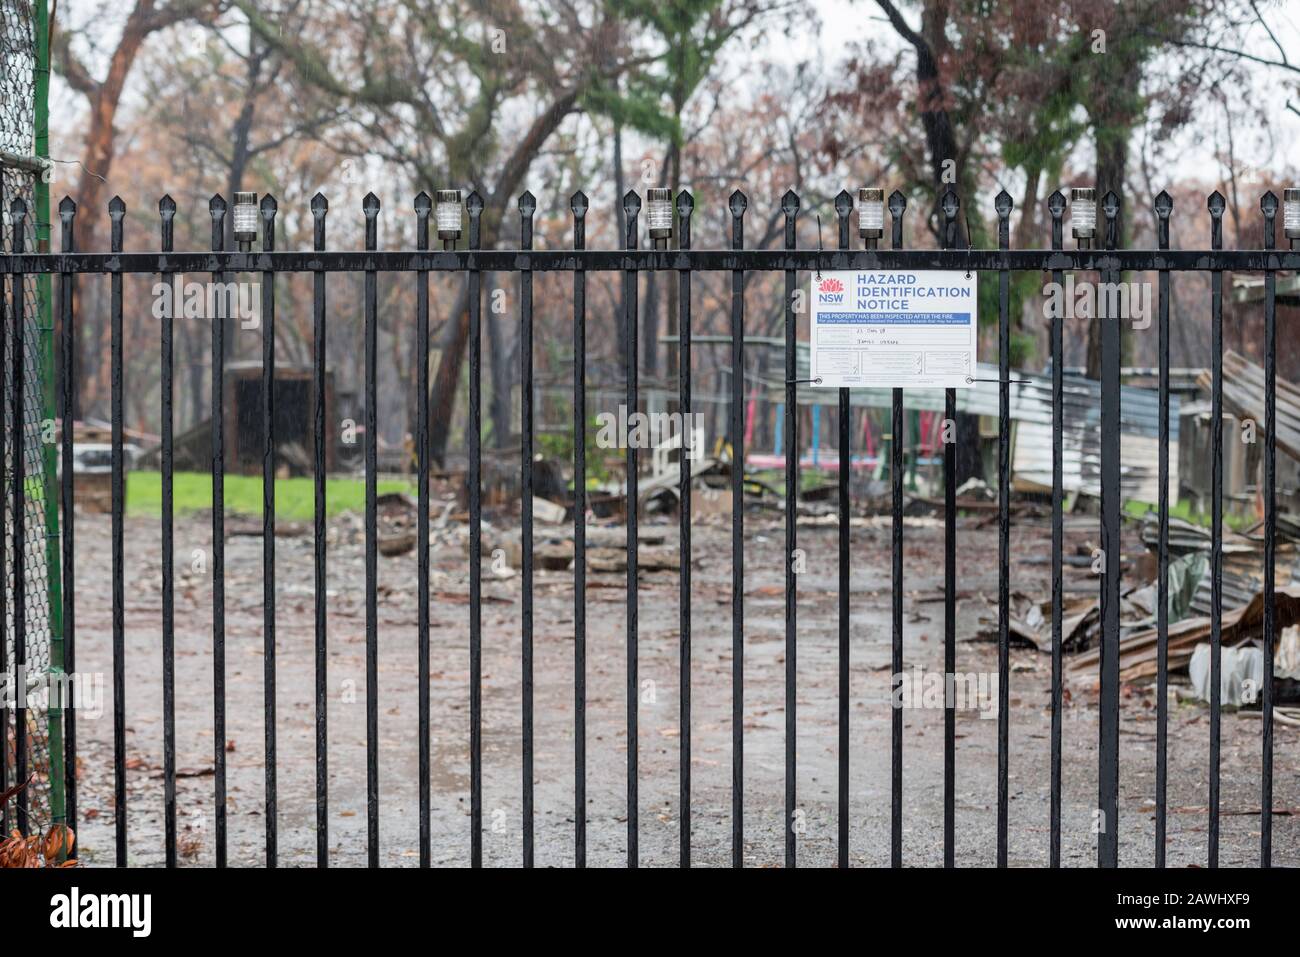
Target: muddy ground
659, 731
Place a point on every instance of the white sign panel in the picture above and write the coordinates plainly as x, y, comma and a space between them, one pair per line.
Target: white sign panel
894, 329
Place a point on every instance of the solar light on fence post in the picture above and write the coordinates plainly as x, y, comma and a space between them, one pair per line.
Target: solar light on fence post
446, 215
1291, 215
659, 215
871, 212
245, 220
1083, 215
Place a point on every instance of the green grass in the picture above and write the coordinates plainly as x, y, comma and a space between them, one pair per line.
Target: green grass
1183, 509
294, 497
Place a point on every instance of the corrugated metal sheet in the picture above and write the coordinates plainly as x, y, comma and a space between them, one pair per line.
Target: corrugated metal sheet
1031, 411
1243, 396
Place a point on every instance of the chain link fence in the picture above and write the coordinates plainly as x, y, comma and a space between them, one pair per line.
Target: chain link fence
18, 177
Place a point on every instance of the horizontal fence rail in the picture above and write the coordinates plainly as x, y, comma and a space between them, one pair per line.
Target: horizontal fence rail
463, 255
646, 260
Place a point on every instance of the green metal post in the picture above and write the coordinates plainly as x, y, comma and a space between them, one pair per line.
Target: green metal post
49, 451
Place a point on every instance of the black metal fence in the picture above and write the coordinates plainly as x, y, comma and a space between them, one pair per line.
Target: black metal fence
525, 261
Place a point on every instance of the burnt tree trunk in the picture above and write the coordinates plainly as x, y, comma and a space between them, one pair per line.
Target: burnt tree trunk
620, 331
446, 383
502, 377
650, 323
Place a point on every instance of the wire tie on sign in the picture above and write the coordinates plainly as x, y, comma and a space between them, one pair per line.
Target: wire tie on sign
816, 381
970, 380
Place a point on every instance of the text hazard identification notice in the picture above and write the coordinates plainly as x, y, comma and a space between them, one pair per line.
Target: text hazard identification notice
894, 329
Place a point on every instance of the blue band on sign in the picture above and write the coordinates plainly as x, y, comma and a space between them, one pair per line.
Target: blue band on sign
899, 318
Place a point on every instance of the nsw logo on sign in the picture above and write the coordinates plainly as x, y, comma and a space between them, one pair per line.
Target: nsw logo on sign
830, 290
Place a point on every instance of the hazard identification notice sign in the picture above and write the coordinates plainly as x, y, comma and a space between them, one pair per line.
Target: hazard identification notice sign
894, 329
